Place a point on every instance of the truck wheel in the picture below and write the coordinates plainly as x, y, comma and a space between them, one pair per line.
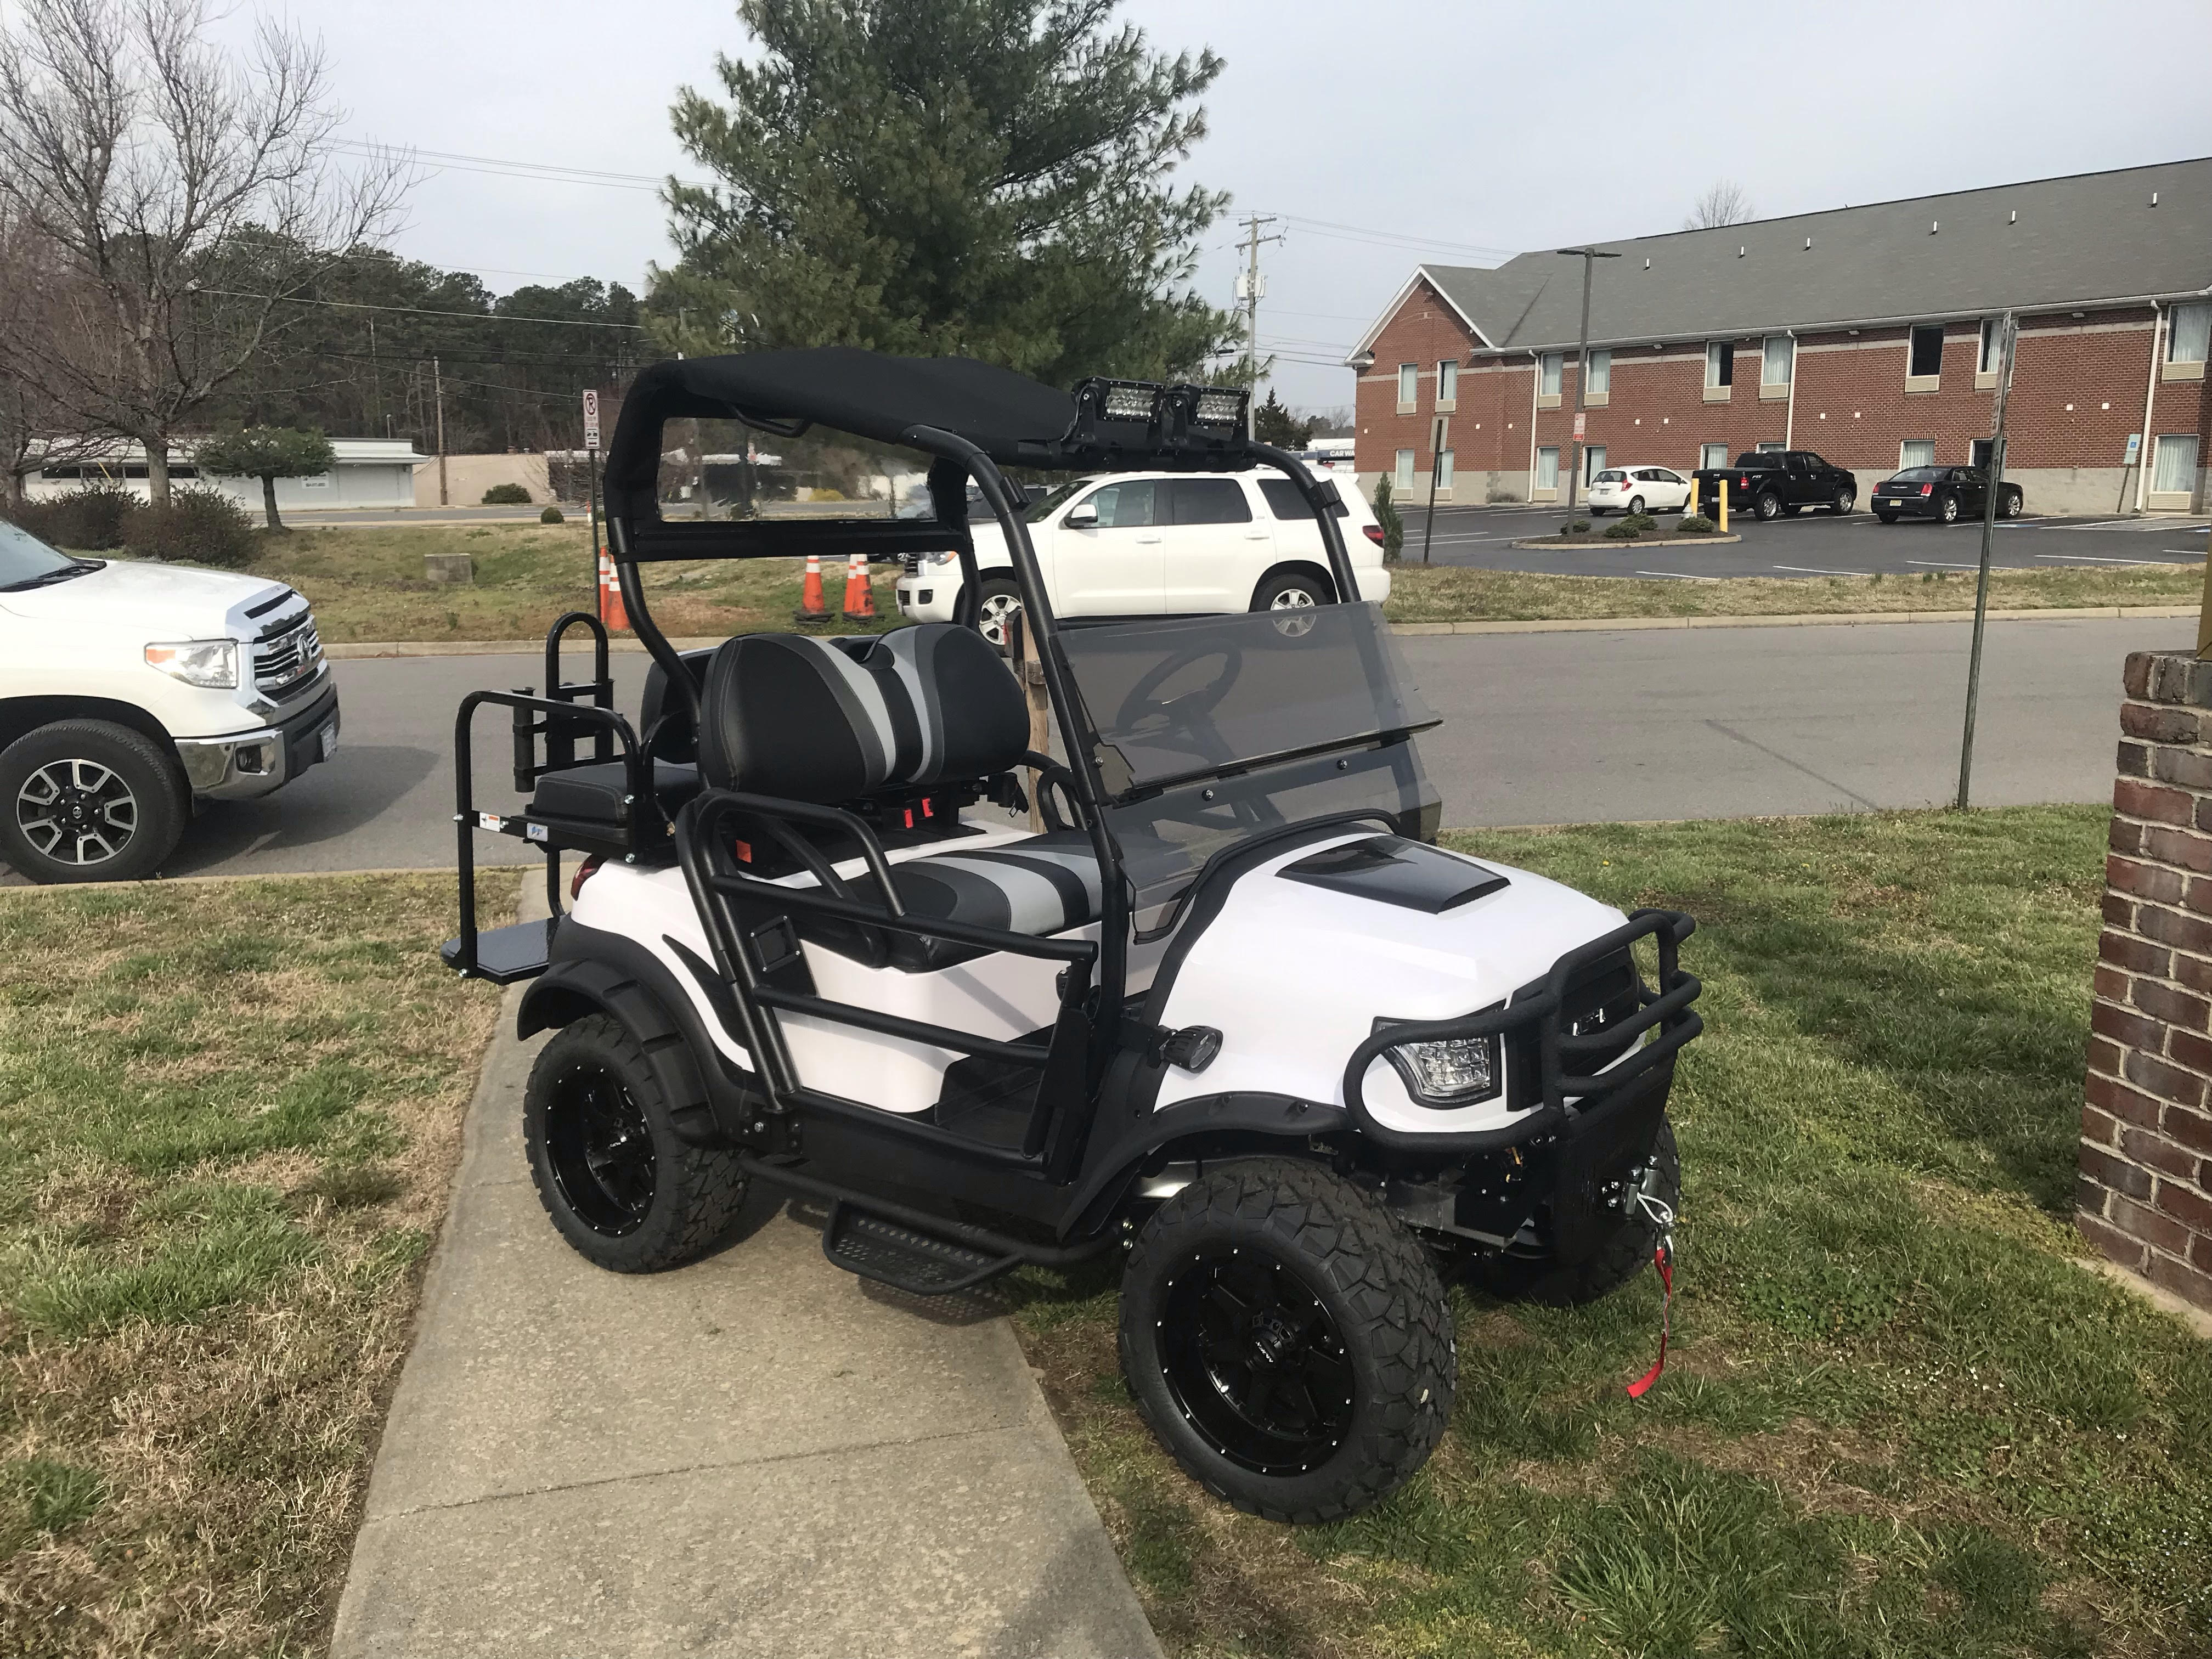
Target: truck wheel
623, 1188
1619, 1259
1292, 590
90, 800
2010, 503
1767, 508
1287, 1340
1002, 596
1844, 501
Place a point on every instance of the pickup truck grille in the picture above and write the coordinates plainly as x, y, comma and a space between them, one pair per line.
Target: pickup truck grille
287, 660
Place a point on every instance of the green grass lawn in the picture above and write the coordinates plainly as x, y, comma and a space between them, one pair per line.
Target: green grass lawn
1900, 1419
229, 1116
367, 584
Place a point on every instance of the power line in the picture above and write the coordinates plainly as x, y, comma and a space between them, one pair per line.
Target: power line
1391, 238
550, 172
419, 311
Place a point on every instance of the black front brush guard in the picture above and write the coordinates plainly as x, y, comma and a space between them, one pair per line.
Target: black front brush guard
1563, 1095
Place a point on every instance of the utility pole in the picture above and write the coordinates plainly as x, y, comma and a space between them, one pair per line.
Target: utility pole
1249, 287
438, 392
1589, 256
1991, 486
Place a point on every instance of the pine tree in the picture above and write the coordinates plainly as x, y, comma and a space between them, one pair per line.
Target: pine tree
982, 176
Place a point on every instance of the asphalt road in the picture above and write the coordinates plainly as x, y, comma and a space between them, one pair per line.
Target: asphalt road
1539, 728
1812, 545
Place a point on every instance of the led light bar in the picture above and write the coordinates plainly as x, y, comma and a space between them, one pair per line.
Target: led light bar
1125, 401
1221, 406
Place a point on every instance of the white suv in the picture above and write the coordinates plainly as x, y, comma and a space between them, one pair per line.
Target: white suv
1161, 544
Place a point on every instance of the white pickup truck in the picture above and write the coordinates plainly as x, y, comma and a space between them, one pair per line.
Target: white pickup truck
1161, 544
129, 692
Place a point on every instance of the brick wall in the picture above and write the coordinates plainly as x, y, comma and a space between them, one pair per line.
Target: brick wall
2145, 1197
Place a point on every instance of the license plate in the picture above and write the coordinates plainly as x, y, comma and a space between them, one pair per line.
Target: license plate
328, 737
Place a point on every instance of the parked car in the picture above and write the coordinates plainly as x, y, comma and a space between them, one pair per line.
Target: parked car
1638, 489
1946, 494
130, 692
1769, 484
1160, 543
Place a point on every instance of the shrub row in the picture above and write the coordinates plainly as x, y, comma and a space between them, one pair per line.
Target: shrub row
198, 527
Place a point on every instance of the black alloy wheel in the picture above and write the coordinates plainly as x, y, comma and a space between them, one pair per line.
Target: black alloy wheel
89, 800
1844, 501
1947, 509
1767, 508
598, 1149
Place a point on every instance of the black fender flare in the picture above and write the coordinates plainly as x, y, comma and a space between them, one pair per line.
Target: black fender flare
1228, 1123
579, 985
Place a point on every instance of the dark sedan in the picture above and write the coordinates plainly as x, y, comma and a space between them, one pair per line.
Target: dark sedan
1946, 494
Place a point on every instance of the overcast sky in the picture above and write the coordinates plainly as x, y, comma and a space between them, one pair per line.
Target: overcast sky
1449, 132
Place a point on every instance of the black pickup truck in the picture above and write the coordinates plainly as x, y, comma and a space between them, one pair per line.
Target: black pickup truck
1769, 483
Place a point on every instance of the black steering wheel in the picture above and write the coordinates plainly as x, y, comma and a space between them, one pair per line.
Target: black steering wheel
1144, 713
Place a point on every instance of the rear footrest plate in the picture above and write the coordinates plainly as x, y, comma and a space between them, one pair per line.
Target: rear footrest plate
504, 955
896, 1255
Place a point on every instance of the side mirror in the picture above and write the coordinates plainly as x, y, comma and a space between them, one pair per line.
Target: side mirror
1085, 516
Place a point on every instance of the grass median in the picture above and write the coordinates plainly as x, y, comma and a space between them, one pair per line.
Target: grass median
367, 584
229, 1116
1900, 1418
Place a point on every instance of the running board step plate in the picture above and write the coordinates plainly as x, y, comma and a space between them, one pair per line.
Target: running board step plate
520, 950
897, 1256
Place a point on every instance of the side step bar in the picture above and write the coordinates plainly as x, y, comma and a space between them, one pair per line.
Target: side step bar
902, 1257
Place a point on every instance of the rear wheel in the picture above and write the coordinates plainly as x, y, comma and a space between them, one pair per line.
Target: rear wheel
1287, 1340
1619, 1259
1844, 501
1292, 590
1887, 518
1767, 506
625, 1190
89, 800
1002, 597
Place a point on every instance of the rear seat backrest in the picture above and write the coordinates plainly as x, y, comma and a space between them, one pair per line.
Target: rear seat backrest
787, 714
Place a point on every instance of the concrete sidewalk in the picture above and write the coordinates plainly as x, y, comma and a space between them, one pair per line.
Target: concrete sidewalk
757, 1454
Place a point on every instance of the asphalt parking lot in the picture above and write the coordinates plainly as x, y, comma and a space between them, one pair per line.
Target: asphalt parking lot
1812, 545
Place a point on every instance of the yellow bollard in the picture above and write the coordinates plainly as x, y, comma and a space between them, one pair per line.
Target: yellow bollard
1723, 526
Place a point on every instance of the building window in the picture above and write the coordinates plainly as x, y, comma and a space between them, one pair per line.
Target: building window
1713, 456
1924, 359
1549, 369
1548, 469
1992, 352
1447, 381
1405, 469
1916, 452
1770, 447
1593, 462
1720, 364
2173, 471
1409, 384
1781, 351
1600, 374
2188, 334
1445, 469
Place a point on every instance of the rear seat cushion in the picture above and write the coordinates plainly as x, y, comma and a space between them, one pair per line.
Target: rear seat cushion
1043, 885
593, 794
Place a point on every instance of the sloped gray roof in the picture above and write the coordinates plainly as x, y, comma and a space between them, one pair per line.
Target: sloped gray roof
2093, 236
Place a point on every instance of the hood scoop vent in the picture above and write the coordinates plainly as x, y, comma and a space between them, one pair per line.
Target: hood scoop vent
1391, 870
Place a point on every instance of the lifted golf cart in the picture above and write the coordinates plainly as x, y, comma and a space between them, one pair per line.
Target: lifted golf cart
1229, 1011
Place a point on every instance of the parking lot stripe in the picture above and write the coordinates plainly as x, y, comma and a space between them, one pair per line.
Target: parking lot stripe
2091, 558
1813, 570
1680, 575
1937, 564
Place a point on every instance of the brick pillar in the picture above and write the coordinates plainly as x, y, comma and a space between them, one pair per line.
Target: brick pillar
2146, 1186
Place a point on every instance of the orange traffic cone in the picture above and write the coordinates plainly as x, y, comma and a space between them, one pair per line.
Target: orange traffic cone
860, 597
611, 599
810, 609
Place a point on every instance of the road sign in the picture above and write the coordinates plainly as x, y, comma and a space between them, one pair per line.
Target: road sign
590, 420
1581, 422
2134, 448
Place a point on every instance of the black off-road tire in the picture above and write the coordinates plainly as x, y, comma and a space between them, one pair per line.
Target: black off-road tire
693, 1192
1619, 1259
1383, 1298
128, 765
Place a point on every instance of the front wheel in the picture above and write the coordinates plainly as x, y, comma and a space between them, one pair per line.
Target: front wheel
627, 1193
1844, 501
2010, 504
1002, 597
1947, 509
1287, 1340
1767, 508
89, 800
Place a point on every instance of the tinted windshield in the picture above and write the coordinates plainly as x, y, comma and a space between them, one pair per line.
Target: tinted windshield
25, 558
1921, 475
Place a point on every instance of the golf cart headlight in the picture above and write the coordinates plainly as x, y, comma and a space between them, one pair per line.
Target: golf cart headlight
1456, 1071
210, 663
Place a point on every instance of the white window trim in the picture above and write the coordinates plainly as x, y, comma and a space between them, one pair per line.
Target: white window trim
1404, 468
2174, 498
2172, 367
1408, 405
1447, 401
1904, 443
1549, 492
1776, 388
1925, 382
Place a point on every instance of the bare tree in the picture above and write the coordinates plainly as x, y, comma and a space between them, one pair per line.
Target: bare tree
191, 197
37, 430
1723, 202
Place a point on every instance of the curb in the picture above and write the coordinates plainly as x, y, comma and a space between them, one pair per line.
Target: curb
1641, 541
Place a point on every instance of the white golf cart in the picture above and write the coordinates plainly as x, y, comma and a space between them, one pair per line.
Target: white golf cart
1230, 1011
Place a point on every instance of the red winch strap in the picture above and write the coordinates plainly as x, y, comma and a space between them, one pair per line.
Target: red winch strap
1663, 1258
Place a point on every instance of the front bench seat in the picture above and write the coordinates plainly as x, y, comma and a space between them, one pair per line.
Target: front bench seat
791, 715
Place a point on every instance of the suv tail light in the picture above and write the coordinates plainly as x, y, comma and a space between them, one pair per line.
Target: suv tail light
1373, 532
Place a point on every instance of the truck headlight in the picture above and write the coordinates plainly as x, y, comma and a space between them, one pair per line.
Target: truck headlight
210, 663
1456, 1071
931, 560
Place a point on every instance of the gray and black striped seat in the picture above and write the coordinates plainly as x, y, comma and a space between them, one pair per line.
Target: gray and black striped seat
805, 719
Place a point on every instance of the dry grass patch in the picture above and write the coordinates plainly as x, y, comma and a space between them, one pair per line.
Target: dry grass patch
229, 1116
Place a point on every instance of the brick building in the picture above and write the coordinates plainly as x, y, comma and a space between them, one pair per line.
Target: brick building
1867, 334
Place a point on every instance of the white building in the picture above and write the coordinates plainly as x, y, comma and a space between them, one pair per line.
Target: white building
368, 472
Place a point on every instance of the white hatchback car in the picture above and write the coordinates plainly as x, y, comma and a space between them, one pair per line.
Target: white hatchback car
1161, 544
1639, 490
